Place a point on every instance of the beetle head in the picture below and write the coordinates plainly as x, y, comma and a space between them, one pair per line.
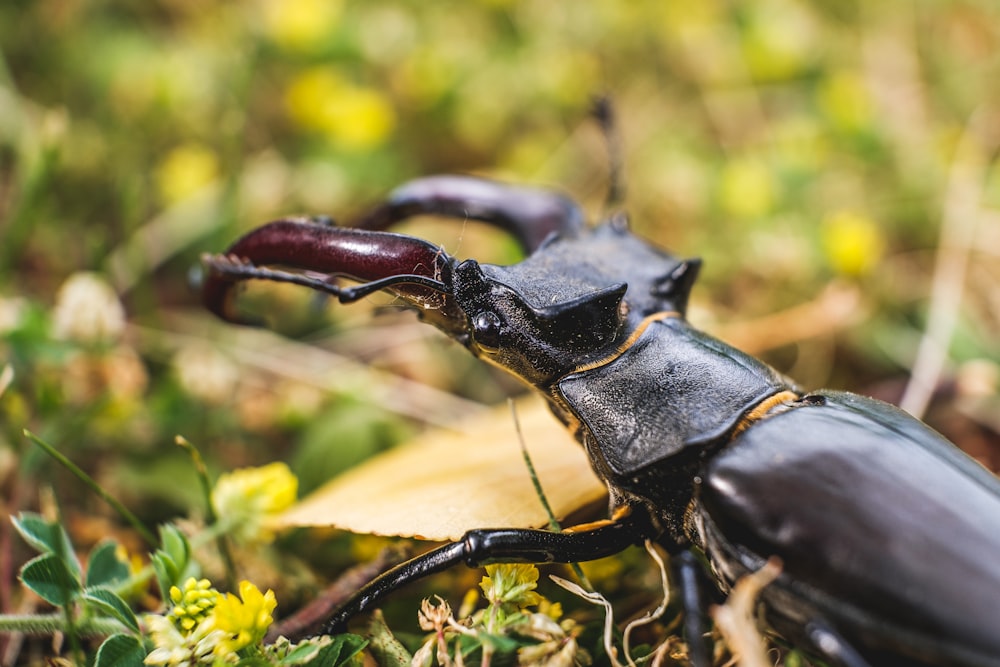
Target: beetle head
538, 343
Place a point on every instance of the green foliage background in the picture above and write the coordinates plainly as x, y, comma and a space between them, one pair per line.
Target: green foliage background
799, 147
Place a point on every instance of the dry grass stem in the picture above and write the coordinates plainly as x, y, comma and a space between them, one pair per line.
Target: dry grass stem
959, 223
736, 618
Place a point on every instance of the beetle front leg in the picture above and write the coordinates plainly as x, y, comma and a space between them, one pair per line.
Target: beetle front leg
501, 545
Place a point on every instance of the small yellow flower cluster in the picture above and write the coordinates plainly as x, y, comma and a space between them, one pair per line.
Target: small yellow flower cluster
512, 584
246, 500
193, 604
205, 627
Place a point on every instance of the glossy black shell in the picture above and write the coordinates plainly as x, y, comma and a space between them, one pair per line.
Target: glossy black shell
884, 528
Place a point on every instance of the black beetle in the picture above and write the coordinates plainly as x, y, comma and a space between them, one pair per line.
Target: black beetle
889, 535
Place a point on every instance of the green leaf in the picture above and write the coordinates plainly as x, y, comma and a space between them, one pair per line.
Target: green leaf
120, 651
35, 531
49, 577
167, 572
301, 654
174, 543
104, 568
325, 651
47, 537
172, 562
348, 646
255, 660
388, 650
112, 605
500, 643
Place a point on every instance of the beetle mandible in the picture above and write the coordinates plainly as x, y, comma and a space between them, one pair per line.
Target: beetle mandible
889, 534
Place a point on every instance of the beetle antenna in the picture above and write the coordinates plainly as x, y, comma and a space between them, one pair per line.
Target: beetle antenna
603, 111
237, 269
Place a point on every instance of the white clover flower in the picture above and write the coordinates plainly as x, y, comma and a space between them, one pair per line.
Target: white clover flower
205, 373
175, 648
88, 310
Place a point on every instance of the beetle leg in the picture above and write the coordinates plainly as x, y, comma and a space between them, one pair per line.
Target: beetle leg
829, 644
687, 575
530, 214
500, 545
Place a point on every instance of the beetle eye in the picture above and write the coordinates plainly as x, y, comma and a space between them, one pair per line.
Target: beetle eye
486, 330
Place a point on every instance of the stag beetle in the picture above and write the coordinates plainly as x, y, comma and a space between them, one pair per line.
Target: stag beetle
889, 535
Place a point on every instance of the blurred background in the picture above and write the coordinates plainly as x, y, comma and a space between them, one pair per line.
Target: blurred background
832, 162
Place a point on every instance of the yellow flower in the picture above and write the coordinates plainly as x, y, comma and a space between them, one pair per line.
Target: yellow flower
352, 117
245, 621
511, 583
844, 98
748, 189
248, 498
307, 96
361, 119
185, 170
853, 242
300, 24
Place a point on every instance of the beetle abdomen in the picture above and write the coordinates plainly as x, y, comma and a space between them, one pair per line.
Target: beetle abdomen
873, 515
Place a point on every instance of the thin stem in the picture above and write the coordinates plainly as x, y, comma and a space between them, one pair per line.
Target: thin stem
95, 487
48, 624
553, 522
206, 489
